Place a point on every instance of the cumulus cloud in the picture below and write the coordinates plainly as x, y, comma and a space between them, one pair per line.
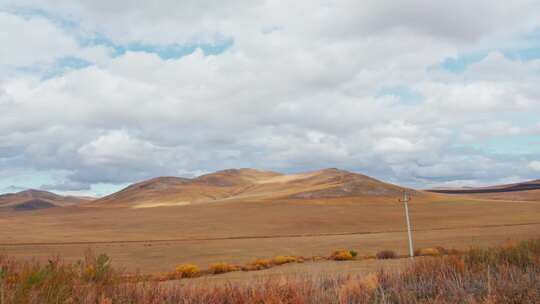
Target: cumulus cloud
27, 41
535, 166
299, 88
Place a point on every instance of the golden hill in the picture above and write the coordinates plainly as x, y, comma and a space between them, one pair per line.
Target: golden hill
249, 185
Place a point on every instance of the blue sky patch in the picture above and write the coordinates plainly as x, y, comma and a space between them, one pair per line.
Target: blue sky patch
65, 64
514, 145
523, 54
461, 62
405, 94
171, 51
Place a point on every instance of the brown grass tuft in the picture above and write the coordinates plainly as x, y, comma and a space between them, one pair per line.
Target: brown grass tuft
386, 254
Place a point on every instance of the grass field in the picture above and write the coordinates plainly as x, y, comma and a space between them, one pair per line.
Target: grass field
157, 239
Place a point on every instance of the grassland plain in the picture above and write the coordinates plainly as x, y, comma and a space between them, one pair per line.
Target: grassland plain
157, 239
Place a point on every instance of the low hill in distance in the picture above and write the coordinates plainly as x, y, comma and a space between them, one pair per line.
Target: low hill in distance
249, 185
525, 191
37, 199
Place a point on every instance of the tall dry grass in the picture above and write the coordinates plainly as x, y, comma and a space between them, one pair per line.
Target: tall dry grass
507, 274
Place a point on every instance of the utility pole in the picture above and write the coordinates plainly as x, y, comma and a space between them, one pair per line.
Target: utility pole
405, 200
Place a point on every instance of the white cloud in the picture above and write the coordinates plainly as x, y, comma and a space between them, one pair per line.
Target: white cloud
34, 40
534, 165
115, 148
298, 89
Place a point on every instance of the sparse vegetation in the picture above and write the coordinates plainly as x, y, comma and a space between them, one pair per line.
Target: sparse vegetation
284, 259
223, 267
386, 254
430, 251
259, 264
506, 274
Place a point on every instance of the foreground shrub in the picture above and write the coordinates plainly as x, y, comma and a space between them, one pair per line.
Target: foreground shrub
223, 267
54, 281
96, 269
284, 259
342, 255
386, 254
187, 271
525, 254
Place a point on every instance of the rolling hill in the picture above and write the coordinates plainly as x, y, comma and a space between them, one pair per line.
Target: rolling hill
249, 185
37, 199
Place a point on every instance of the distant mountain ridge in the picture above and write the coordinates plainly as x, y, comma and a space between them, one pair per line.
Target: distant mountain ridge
33, 199
523, 186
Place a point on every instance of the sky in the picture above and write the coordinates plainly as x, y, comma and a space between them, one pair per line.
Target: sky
95, 95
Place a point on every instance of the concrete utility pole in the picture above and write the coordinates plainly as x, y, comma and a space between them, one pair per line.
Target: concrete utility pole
405, 200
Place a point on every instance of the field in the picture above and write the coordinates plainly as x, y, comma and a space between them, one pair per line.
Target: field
157, 239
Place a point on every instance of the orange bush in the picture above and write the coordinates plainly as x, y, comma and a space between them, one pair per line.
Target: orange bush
187, 270
342, 255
